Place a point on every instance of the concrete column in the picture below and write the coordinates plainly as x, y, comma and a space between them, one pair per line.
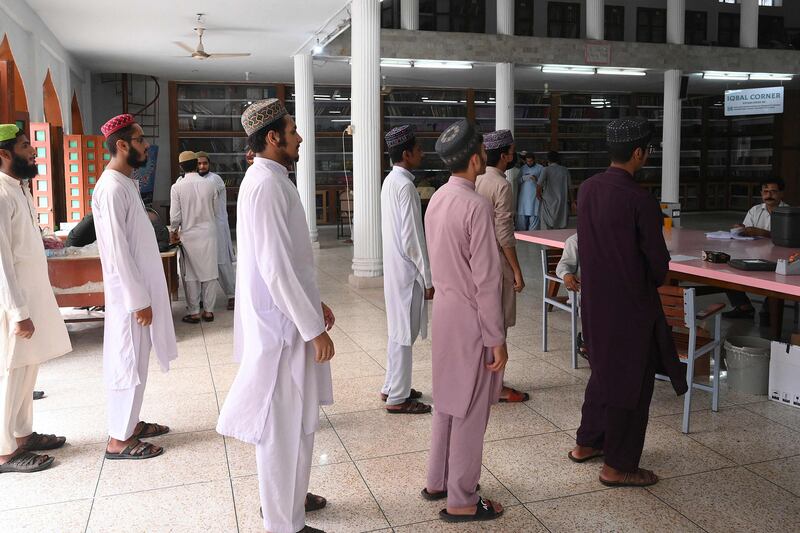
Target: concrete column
595, 19
409, 14
504, 96
671, 138
676, 21
304, 116
505, 17
748, 24
366, 102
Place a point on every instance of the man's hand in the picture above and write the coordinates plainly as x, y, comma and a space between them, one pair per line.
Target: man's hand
500, 358
429, 293
327, 314
323, 346
174, 238
144, 317
519, 283
571, 282
24, 329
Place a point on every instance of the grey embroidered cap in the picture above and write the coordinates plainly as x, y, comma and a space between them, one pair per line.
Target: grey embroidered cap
628, 129
458, 141
498, 139
399, 135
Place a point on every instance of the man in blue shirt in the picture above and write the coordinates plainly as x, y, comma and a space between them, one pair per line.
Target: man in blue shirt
528, 203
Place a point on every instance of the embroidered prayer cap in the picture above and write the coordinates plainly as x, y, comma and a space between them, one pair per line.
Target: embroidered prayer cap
628, 130
400, 135
116, 124
202, 154
498, 139
8, 132
262, 113
186, 155
458, 141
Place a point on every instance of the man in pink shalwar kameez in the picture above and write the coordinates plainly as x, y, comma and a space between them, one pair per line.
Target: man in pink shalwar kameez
468, 338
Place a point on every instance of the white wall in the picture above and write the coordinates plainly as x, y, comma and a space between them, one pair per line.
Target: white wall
36, 50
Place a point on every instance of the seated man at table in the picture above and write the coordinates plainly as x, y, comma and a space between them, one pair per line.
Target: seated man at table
83, 234
568, 269
757, 223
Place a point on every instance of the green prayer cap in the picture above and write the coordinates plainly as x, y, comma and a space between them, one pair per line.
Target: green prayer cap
8, 132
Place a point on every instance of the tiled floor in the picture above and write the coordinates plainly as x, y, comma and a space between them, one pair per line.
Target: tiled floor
739, 470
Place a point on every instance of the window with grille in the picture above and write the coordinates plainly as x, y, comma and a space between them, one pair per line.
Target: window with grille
696, 27
523, 17
615, 23
453, 15
651, 25
564, 20
728, 29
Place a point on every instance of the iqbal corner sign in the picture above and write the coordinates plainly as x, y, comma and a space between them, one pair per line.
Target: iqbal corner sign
763, 101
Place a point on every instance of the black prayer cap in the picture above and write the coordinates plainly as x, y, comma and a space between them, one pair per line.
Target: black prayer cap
627, 130
460, 140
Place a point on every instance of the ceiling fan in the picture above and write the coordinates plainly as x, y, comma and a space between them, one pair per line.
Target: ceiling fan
199, 51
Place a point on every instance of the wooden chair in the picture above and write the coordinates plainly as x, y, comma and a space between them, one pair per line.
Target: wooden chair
344, 212
692, 341
550, 298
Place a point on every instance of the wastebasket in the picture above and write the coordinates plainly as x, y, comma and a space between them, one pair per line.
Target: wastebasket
747, 360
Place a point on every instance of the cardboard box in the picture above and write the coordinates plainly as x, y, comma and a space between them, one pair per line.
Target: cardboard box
784, 374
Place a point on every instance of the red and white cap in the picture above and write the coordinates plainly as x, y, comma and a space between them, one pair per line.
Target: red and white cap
116, 124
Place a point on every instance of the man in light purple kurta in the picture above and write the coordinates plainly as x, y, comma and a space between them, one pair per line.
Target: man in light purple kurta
469, 349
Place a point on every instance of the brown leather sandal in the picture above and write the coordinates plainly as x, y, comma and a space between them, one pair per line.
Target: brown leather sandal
640, 478
410, 407
413, 395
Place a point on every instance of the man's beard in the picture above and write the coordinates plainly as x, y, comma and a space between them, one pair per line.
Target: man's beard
204, 174
23, 170
134, 161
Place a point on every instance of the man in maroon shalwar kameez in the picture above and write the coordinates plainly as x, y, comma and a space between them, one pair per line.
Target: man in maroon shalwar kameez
624, 260
468, 337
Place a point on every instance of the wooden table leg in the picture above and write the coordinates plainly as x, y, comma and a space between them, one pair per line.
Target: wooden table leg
775, 318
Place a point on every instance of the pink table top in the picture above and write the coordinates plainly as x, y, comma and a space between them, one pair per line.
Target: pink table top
688, 242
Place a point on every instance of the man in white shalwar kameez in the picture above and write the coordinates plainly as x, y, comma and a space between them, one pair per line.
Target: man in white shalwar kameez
138, 313
406, 271
280, 325
192, 214
31, 328
225, 254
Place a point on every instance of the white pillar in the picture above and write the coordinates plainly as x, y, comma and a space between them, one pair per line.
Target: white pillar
366, 86
504, 96
595, 19
505, 17
671, 137
304, 116
504, 72
676, 21
748, 24
409, 14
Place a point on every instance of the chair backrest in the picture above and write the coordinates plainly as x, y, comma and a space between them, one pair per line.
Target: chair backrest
678, 306
550, 259
346, 201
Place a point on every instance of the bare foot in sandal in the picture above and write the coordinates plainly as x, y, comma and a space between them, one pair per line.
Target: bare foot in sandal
611, 477
23, 461
131, 449
411, 407
580, 454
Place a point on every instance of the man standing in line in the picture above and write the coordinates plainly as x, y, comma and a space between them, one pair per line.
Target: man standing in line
406, 271
528, 203
138, 313
469, 344
225, 254
192, 213
31, 328
554, 193
280, 325
624, 260
493, 186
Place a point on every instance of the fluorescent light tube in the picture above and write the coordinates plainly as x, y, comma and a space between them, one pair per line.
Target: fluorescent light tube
621, 72
460, 65
559, 69
768, 76
721, 75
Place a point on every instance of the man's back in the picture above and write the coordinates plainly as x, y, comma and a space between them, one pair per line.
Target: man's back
197, 197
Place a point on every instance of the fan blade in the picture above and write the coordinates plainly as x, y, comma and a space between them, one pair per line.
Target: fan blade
184, 46
223, 56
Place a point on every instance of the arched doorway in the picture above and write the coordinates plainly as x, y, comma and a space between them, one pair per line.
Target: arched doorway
14, 105
77, 120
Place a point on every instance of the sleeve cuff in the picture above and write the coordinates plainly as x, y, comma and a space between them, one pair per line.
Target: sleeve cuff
313, 332
19, 314
490, 341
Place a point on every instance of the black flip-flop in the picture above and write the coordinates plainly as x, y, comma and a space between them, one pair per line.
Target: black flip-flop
598, 453
208, 318
39, 443
38, 394
189, 319
439, 495
411, 407
135, 452
485, 511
